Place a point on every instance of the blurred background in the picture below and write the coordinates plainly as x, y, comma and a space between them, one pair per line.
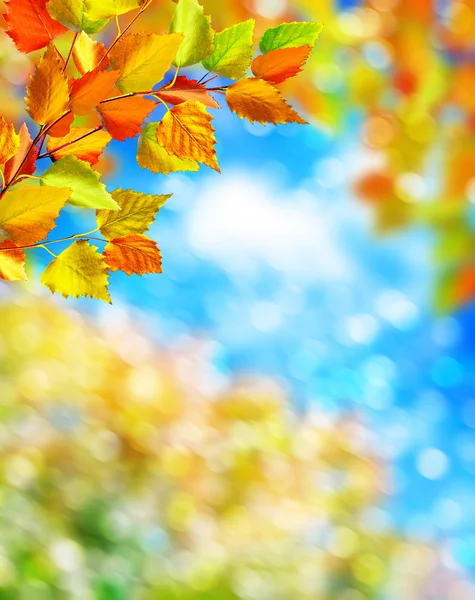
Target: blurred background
288, 412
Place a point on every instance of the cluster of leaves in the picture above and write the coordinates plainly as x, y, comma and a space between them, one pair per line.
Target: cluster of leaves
120, 86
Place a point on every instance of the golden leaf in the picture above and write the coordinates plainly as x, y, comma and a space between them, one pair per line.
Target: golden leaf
12, 262
9, 141
153, 156
78, 271
92, 88
186, 132
48, 92
258, 100
133, 254
278, 65
87, 54
84, 143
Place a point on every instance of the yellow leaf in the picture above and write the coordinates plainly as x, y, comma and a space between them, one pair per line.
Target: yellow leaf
27, 214
78, 271
48, 92
12, 262
9, 141
87, 54
84, 143
105, 9
153, 156
186, 132
133, 254
136, 214
143, 59
190, 20
73, 14
258, 100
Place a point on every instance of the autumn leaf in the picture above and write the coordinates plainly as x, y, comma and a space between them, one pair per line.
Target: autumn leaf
78, 271
124, 118
48, 92
63, 126
187, 89
143, 59
152, 156
190, 20
87, 54
92, 88
133, 254
278, 65
84, 143
30, 25
258, 100
27, 214
137, 212
12, 262
73, 14
23, 162
9, 141
105, 9
87, 190
233, 51
186, 132
290, 35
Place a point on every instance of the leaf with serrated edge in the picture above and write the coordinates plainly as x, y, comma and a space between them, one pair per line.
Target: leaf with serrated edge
190, 20
137, 213
290, 35
88, 148
278, 65
48, 92
186, 132
152, 156
187, 89
143, 59
87, 54
105, 9
73, 15
133, 254
9, 141
92, 88
24, 160
78, 271
30, 25
87, 189
258, 100
233, 51
12, 262
124, 118
27, 214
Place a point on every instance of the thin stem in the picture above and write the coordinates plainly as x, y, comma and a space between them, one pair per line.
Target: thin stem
47, 250
118, 24
12, 180
46, 154
204, 76
172, 83
210, 80
142, 9
70, 51
3, 179
65, 239
163, 102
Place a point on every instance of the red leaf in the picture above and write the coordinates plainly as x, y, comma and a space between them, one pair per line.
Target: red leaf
30, 25
124, 118
62, 127
187, 89
90, 89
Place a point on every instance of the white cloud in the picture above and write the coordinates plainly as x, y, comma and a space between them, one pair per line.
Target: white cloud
241, 224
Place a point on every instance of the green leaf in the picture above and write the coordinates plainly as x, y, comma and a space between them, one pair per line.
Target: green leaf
290, 35
73, 15
153, 156
233, 52
77, 175
105, 9
190, 20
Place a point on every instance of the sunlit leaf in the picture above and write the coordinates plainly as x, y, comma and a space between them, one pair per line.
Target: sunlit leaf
278, 65
136, 215
87, 189
233, 51
23, 162
87, 54
153, 156
9, 141
105, 9
133, 254
124, 118
187, 89
190, 20
73, 15
78, 271
88, 148
290, 35
92, 88
12, 262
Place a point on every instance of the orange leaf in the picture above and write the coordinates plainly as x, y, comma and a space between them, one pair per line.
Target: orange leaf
133, 254
62, 127
186, 131
24, 160
12, 262
187, 89
89, 147
30, 25
258, 100
87, 54
124, 118
9, 141
48, 92
278, 65
92, 88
